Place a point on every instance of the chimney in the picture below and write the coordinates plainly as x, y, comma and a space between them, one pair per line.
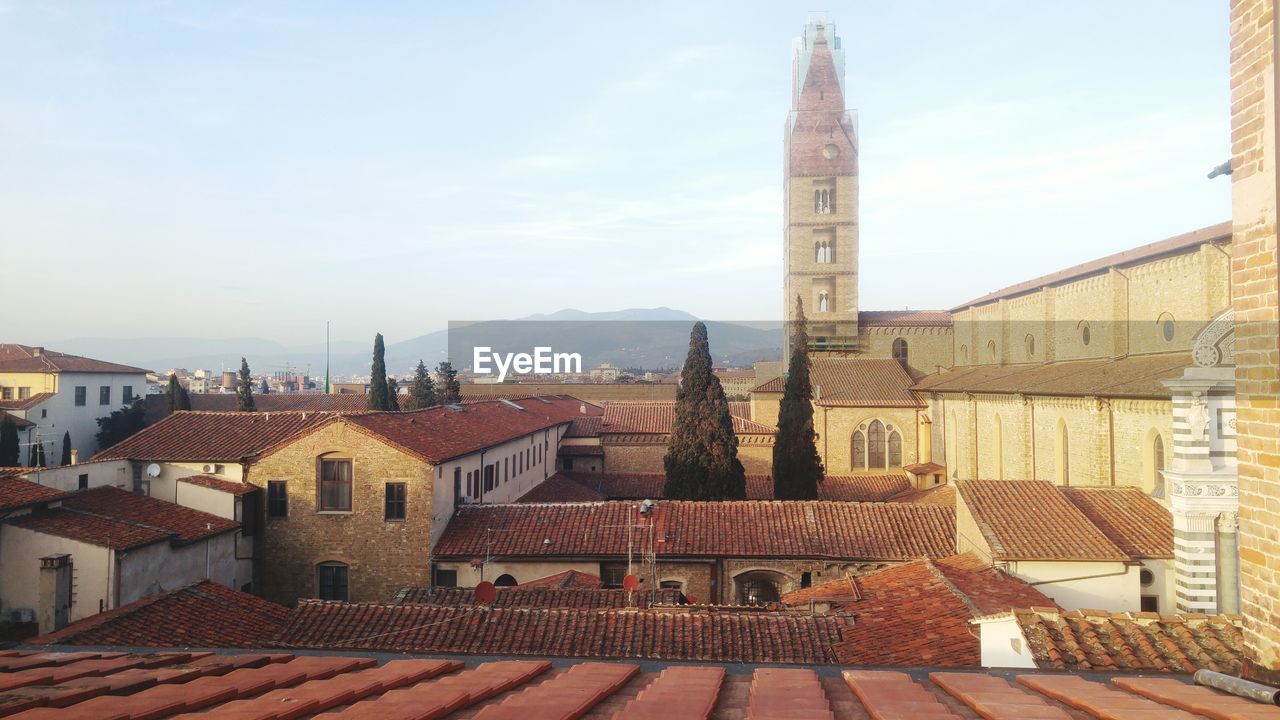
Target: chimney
54, 592
37, 351
75, 456
582, 409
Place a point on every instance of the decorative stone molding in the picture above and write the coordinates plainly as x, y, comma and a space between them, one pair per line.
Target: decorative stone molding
1215, 346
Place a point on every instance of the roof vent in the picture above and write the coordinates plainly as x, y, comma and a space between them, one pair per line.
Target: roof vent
505, 401
542, 400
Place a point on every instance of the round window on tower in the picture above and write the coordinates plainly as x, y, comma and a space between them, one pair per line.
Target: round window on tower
830, 151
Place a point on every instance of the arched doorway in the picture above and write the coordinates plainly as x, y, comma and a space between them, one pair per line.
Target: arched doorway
759, 587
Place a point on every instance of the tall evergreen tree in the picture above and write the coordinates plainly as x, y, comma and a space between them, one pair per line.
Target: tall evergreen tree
8, 441
422, 393
120, 424
378, 376
450, 389
244, 389
797, 467
393, 394
702, 455
66, 448
264, 388
176, 395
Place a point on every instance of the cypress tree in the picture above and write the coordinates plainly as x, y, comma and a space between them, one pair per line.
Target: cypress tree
393, 394
244, 391
66, 448
264, 388
450, 388
177, 396
422, 394
702, 455
378, 376
8, 441
797, 467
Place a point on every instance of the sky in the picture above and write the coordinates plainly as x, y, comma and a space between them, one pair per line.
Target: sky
228, 169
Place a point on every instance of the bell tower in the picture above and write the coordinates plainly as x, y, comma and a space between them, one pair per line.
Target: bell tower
821, 192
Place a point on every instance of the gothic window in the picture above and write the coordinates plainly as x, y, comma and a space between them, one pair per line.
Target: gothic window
895, 449
824, 252
875, 445
858, 450
824, 302
1157, 466
1064, 455
991, 350
1084, 333
822, 201
1031, 346
964, 354
900, 352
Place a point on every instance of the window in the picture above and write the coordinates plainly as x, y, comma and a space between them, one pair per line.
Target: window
1167, 329
82, 393
1063, 453
457, 487
506, 469
505, 580
104, 395
964, 354
1146, 577
895, 449
823, 201
992, 354
6, 393
757, 589
824, 302
1151, 603
612, 574
859, 450
824, 252
446, 578
488, 477
1030, 342
248, 513
806, 579
671, 585
277, 499
82, 482
126, 394
331, 581
395, 501
875, 445
335, 485
1084, 333
24, 393
900, 352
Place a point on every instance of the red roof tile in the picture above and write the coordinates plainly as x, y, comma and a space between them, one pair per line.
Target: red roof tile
24, 358
560, 488
523, 596
25, 403
1136, 376
640, 486
858, 382
658, 417
696, 635
16, 492
205, 437
1130, 518
566, 579
944, 495
775, 385
216, 483
1220, 233
810, 529
155, 408
1094, 640
1057, 530
111, 517
904, 318
205, 614
585, 427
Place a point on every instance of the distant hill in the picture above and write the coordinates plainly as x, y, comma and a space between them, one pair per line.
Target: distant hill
644, 337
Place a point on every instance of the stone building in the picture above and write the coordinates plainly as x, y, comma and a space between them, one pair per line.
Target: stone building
633, 437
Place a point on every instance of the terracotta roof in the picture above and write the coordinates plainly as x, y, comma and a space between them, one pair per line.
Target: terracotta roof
904, 318
658, 418
522, 596
584, 427
1133, 520
155, 408
777, 637
640, 486
748, 528
860, 382
216, 483
560, 488
1136, 376
924, 468
944, 495
440, 433
1057, 530
18, 471
19, 422
205, 614
1220, 233
1095, 640
207, 437
25, 403
114, 518
24, 358
566, 579
740, 409
15, 492
776, 385
989, 589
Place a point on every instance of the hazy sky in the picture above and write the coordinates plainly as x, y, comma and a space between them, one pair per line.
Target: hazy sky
223, 169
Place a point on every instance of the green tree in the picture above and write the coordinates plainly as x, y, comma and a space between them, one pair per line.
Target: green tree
378, 376
702, 455
8, 441
177, 396
393, 394
450, 388
797, 467
244, 389
264, 388
66, 448
422, 393
116, 427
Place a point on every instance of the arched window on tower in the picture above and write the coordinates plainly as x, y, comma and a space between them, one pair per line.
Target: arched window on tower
895, 449
875, 445
1157, 466
824, 302
817, 252
858, 450
822, 201
900, 352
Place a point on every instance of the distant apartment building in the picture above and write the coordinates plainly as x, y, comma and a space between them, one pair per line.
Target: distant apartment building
56, 393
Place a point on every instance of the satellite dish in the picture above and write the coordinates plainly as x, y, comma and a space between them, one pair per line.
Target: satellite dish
486, 593
153, 470
630, 582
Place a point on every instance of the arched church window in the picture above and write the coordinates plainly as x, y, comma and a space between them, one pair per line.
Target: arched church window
858, 450
1084, 333
1064, 455
895, 449
505, 580
992, 355
822, 201
1031, 346
900, 352
1167, 327
817, 252
824, 302
875, 445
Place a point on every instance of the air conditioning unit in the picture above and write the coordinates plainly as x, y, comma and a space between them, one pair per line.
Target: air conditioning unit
213, 469
22, 615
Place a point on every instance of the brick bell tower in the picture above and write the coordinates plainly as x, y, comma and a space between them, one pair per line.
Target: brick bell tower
821, 192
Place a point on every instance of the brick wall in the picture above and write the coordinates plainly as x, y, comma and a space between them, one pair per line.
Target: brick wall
1257, 310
